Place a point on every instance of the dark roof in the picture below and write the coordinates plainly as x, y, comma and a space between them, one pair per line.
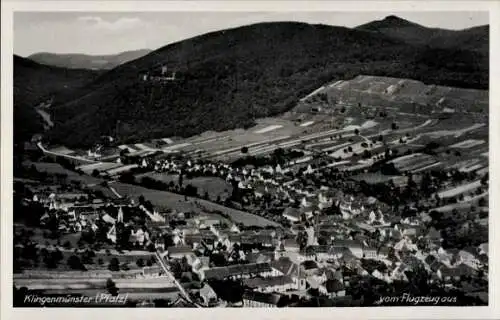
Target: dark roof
191, 238
461, 270
267, 282
179, 249
285, 265
309, 264
347, 244
292, 212
334, 285
269, 298
383, 250
256, 238
430, 259
221, 273
290, 243
433, 234
316, 249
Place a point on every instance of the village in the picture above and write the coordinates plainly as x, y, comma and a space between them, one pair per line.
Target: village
324, 206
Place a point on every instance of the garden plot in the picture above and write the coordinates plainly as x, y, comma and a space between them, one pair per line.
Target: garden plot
307, 124
214, 186
459, 189
127, 147
471, 168
176, 147
356, 148
413, 162
432, 165
269, 128
101, 166
455, 133
464, 164
468, 144
374, 178
424, 164
483, 171
141, 146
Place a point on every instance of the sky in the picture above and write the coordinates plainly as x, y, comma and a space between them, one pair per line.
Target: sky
113, 32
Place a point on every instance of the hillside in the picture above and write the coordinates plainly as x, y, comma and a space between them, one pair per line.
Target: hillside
34, 83
83, 61
226, 79
476, 38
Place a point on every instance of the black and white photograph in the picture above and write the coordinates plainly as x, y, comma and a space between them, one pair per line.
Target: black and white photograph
243, 159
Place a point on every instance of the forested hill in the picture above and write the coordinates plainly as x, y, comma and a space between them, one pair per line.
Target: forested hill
35, 83
225, 79
85, 61
476, 38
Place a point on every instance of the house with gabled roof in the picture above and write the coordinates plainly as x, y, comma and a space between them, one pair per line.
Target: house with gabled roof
255, 299
450, 275
469, 256
179, 252
292, 214
280, 283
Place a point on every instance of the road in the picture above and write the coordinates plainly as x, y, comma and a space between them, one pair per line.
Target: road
41, 147
163, 265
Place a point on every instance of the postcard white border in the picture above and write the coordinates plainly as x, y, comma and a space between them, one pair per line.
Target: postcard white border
8, 7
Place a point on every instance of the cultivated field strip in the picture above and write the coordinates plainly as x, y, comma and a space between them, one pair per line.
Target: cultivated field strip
460, 189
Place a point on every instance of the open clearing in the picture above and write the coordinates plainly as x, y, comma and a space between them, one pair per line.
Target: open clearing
55, 168
214, 186
168, 200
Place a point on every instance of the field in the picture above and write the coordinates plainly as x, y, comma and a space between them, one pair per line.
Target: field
460, 189
55, 168
215, 187
168, 200
386, 92
374, 178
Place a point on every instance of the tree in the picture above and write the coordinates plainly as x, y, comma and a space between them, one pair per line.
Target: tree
140, 262
142, 200
356, 131
114, 264
75, 263
244, 150
394, 126
111, 287
482, 202
95, 173
181, 179
191, 191
67, 245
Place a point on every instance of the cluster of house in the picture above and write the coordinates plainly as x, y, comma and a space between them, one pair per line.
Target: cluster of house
75, 212
279, 265
273, 262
